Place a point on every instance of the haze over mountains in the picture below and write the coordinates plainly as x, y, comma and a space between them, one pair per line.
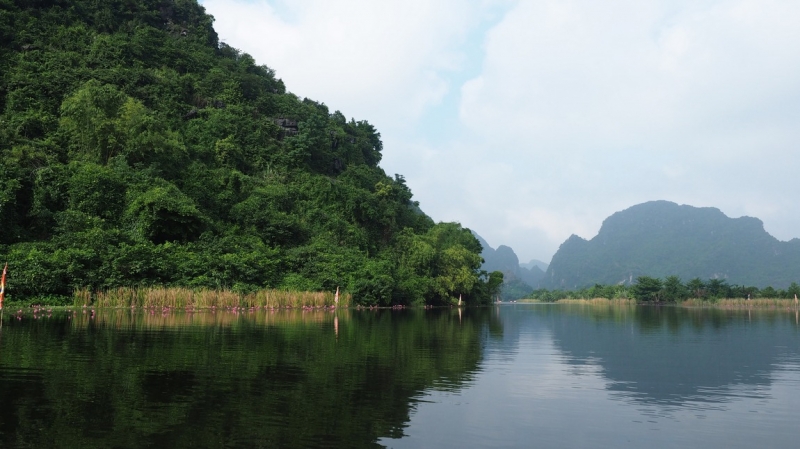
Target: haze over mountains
518, 279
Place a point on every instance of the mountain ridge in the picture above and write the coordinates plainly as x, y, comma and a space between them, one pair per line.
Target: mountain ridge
518, 280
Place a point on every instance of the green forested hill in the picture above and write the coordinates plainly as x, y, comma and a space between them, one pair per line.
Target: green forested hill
661, 239
137, 149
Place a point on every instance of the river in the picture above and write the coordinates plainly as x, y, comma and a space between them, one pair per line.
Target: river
523, 375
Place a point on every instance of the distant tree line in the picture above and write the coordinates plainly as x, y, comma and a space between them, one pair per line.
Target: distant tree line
670, 289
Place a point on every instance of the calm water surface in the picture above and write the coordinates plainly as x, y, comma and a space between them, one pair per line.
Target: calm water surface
508, 376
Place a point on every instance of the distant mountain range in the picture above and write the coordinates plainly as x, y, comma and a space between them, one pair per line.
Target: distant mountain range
661, 238
518, 279
535, 263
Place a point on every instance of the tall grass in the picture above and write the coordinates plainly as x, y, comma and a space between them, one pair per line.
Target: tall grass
599, 301
740, 303
178, 297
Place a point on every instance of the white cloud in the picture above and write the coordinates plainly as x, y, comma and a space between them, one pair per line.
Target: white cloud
614, 103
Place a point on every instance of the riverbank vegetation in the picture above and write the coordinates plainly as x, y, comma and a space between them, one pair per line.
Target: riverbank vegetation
176, 297
694, 292
138, 151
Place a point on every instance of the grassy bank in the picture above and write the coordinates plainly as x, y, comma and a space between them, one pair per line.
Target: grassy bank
176, 297
600, 301
727, 303
593, 301
741, 303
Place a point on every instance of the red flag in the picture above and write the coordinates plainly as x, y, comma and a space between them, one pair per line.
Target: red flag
3, 286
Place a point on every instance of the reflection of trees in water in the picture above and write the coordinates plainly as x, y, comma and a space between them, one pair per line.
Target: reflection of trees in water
283, 379
671, 356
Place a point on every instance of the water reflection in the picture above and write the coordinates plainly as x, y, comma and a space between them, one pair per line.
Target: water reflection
227, 378
626, 377
672, 356
508, 376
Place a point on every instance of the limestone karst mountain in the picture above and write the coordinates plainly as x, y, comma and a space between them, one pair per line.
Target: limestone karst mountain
661, 238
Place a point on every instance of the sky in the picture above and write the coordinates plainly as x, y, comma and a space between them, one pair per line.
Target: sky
531, 120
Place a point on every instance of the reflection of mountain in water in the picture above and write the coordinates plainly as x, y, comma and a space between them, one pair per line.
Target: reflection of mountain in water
672, 355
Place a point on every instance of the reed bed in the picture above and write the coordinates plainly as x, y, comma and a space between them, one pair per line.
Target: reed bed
741, 303
178, 297
599, 301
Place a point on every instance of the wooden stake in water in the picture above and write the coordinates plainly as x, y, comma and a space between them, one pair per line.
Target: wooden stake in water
336, 297
3, 286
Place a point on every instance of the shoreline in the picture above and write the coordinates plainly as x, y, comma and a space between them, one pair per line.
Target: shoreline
728, 303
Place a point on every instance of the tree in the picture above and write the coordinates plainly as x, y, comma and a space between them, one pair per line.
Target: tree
89, 118
768, 292
696, 288
717, 288
101, 122
674, 290
493, 284
164, 214
793, 290
96, 190
647, 289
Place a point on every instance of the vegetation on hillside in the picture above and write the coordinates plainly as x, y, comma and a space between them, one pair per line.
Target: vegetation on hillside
138, 150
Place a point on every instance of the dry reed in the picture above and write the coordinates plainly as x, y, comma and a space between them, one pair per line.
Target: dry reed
178, 297
599, 301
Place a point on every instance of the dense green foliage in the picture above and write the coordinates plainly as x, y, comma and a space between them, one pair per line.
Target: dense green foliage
661, 238
670, 289
137, 149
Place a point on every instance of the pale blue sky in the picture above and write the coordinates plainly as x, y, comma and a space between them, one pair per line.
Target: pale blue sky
528, 121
